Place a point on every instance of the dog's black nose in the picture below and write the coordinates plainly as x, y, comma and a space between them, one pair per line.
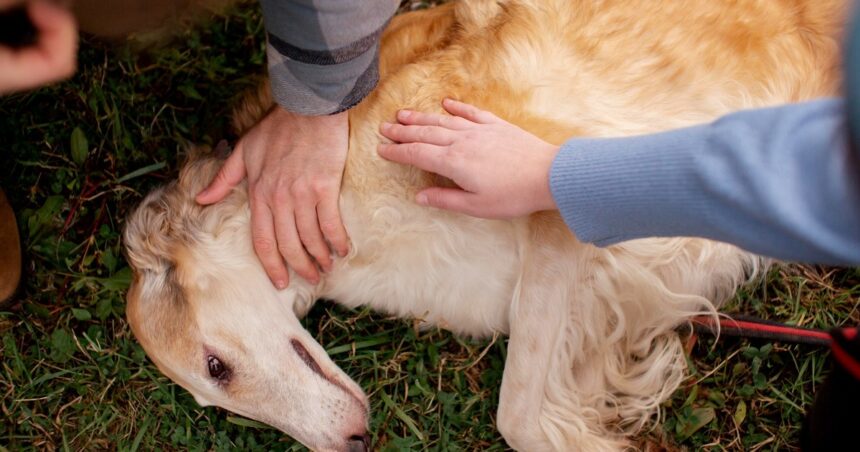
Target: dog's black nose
358, 443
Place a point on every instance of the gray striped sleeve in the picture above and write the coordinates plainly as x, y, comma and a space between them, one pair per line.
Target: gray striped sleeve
323, 54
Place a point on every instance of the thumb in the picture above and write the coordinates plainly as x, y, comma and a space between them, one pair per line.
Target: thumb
447, 199
230, 174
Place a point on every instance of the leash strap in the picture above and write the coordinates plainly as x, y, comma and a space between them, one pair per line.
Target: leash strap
746, 326
843, 342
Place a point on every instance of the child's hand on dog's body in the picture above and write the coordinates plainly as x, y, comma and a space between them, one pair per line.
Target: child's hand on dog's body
502, 170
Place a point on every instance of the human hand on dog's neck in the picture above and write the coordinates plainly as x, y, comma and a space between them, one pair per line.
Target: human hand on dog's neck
294, 165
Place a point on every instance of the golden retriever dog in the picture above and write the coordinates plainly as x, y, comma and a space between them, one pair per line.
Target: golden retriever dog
593, 344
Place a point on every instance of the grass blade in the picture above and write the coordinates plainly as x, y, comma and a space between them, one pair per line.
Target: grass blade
401, 415
142, 171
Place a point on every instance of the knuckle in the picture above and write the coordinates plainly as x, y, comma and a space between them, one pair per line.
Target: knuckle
425, 133
280, 197
290, 246
395, 131
471, 136
330, 226
300, 189
221, 177
286, 250
454, 154
321, 187
263, 245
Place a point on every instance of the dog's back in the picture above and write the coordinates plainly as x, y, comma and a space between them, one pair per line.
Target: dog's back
592, 349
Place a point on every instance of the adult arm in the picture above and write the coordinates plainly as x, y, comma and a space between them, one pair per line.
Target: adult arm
323, 53
782, 181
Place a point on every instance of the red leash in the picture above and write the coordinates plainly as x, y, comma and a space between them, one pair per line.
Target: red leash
745, 326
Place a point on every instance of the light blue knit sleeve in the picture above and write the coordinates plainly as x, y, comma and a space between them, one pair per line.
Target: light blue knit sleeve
782, 182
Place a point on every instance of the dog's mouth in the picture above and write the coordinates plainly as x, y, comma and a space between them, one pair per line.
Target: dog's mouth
312, 364
307, 358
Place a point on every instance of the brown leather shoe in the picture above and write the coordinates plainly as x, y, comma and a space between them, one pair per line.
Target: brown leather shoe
10, 250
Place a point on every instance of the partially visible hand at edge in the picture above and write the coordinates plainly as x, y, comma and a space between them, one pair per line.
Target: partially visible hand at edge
52, 58
294, 166
502, 170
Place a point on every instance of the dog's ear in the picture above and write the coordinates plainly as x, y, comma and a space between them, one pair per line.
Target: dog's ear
160, 317
156, 308
197, 172
148, 233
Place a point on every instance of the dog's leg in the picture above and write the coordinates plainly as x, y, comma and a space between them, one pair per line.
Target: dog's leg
538, 314
544, 347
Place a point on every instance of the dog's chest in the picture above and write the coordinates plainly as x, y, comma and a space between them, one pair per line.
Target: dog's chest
452, 271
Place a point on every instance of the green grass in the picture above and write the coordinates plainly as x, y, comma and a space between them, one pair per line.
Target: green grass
77, 156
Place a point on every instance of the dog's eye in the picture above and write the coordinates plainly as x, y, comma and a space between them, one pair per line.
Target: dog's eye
217, 369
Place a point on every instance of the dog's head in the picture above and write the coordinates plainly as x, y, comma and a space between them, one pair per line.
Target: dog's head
207, 315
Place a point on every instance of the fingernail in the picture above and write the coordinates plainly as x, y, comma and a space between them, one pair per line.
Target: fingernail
281, 284
343, 251
386, 126
403, 114
421, 198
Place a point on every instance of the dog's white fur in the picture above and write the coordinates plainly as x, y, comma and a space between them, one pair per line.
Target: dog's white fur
593, 349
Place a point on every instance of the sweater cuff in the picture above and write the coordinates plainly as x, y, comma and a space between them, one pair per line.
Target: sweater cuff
313, 90
614, 189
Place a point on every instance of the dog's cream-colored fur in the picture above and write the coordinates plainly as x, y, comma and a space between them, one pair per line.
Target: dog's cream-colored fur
593, 349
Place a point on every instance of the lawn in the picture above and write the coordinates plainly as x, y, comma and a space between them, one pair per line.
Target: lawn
76, 157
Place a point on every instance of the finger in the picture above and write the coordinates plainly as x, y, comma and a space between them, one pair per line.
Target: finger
452, 199
424, 156
311, 235
290, 245
470, 112
263, 237
417, 134
411, 117
332, 225
230, 174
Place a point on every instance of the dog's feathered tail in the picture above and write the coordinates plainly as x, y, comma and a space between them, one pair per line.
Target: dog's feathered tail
619, 356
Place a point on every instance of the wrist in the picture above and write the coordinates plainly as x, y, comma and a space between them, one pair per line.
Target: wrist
321, 120
545, 200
